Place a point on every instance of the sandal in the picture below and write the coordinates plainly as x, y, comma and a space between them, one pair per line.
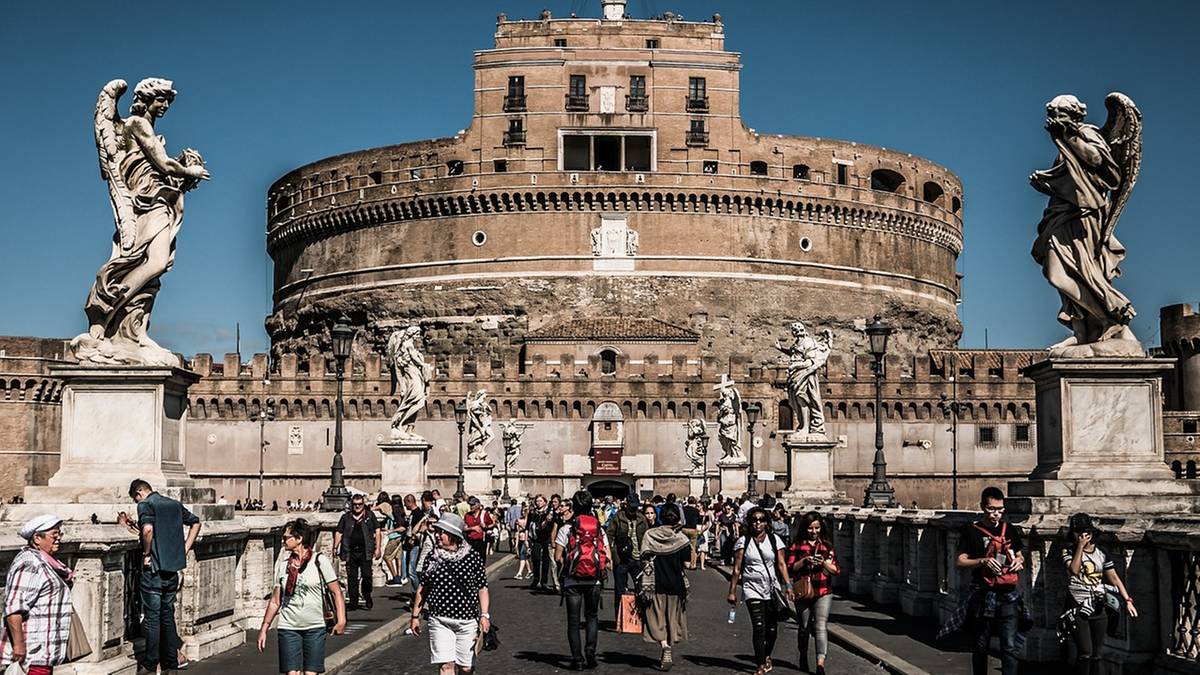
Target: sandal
768, 666
667, 660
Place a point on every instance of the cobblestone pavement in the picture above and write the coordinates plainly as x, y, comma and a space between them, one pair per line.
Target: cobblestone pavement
534, 641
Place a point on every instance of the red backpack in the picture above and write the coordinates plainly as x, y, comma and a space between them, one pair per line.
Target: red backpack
586, 556
998, 545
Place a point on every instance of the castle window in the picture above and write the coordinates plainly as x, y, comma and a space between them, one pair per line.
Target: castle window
608, 153
583, 151
696, 134
799, 172
758, 168
376, 177
886, 180
932, 192
710, 166
414, 174
608, 362
577, 153
500, 165
637, 153
843, 174
1021, 433
955, 205
560, 42
652, 43
697, 97
1189, 426
454, 167
514, 101
1191, 469
577, 98
636, 100
516, 132
986, 436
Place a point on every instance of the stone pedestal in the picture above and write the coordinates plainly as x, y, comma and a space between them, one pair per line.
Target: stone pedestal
811, 480
696, 484
477, 480
403, 466
733, 477
1100, 440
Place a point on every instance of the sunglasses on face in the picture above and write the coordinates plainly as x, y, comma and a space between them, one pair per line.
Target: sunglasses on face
994, 509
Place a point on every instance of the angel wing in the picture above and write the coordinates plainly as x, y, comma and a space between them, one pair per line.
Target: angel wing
1123, 131
110, 144
391, 353
736, 399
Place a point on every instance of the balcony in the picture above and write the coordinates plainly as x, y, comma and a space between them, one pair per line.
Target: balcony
577, 102
514, 103
697, 138
638, 104
697, 104
514, 137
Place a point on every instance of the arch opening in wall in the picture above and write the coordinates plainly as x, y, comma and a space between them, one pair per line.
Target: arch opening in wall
758, 168
608, 361
932, 192
955, 205
886, 180
800, 172
1191, 469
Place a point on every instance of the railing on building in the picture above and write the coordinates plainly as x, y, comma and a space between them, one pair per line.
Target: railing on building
577, 102
514, 138
514, 103
637, 103
697, 104
697, 137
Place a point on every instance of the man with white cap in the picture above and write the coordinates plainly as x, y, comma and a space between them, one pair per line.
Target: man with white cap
37, 600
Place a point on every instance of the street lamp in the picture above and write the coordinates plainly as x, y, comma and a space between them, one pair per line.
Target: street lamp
336, 497
752, 410
878, 492
950, 405
703, 441
508, 441
265, 414
460, 418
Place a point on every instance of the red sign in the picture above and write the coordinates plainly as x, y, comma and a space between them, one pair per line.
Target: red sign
606, 461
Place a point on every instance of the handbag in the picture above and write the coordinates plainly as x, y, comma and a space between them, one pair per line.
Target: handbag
780, 607
77, 643
629, 620
803, 588
15, 668
328, 605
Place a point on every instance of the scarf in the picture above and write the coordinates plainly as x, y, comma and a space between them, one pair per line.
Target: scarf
441, 556
65, 573
663, 540
294, 571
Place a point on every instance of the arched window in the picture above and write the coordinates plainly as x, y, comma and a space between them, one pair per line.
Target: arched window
608, 362
758, 168
932, 192
800, 172
1191, 468
886, 180
1177, 468
955, 205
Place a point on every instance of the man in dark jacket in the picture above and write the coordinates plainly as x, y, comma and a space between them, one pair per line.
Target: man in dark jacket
357, 541
626, 532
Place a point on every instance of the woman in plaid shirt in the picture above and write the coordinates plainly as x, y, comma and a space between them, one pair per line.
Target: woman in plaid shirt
812, 555
37, 601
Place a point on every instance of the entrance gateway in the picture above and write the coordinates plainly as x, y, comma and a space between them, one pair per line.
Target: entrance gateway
608, 446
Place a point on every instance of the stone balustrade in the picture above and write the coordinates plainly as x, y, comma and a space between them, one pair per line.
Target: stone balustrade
905, 558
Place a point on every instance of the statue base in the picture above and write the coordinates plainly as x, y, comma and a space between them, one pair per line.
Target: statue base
403, 466
477, 480
811, 479
1100, 440
734, 480
120, 423
696, 482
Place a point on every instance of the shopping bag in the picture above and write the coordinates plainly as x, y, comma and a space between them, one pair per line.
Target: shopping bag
628, 618
77, 642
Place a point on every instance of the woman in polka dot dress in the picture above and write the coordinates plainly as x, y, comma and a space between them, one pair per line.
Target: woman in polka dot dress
453, 596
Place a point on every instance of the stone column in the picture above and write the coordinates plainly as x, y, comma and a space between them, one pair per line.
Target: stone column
403, 466
733, 477
811, 480
477, 480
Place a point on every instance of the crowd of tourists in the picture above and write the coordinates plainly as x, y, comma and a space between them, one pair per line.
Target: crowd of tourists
780, 566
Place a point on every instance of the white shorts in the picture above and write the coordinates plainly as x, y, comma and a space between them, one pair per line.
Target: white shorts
452, 640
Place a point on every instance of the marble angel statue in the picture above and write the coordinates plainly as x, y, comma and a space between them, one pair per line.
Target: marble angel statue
693, 448
806, 355
510, 435
729, 415
479, 427
410, 379
1089, 185
145, 189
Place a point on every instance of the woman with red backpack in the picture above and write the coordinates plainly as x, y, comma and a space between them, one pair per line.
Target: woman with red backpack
582, 552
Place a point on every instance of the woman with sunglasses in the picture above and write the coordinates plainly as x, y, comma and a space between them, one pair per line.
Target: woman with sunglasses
454, 597
760, 569
299, 599
37, 601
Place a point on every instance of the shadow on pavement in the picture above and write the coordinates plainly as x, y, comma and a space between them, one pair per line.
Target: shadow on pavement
745, 662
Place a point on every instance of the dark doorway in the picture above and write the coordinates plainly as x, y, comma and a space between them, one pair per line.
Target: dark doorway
606, 488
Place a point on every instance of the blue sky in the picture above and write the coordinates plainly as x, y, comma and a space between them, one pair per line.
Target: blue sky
267, 86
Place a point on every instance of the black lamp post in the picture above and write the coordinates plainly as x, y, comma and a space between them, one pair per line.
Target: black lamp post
752, 410
336, 497
703, 441
508, 441
265, 415
460, 418
879, 493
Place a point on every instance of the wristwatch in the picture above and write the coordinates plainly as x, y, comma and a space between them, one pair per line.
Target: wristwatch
485, 615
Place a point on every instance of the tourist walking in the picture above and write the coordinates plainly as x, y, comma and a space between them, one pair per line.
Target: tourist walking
991, 548
582, 552
666, 551
453, 597
1086, 618
627, 530
760, 573
479, 521
520, 533
541, 526
813, 564
357, 541
417, 526
393, 527
691, 527
160, 522
37, 600
298, 598
727, 532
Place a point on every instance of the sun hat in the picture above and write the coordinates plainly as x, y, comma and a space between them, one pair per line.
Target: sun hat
37, 524
451, 523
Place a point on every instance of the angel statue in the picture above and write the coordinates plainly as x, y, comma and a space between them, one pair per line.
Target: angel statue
729, 414
805, 357
1088, 186
145, 188
410, 378
694, 448
510, 435
479, 416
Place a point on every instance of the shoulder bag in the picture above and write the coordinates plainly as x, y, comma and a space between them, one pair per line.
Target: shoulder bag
328, 604
779, 602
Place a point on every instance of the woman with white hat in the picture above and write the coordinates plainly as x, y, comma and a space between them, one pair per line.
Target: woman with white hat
454, 597
37, 600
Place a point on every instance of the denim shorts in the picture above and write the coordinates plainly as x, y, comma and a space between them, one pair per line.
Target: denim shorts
302, 650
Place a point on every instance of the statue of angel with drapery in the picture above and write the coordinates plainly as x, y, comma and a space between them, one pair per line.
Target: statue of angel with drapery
410, 381
479, 431
1089, 185
145, 188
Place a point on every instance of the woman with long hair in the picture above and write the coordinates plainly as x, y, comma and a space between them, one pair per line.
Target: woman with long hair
811, 557
1090, 567
453, 596
760, 571
665, 608
301, 578
521, 533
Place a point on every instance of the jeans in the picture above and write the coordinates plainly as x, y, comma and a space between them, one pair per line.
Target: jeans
410, 564
541, 563
765, 628
158, 605
1089, 643
302, 650
1004, 625
813, 618
624, 570
585, 601
358, 575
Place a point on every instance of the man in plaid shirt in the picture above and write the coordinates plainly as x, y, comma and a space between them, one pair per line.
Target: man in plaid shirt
37, 601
